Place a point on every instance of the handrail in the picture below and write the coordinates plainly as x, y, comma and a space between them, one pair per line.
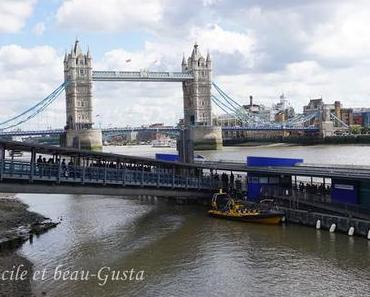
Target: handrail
21, 170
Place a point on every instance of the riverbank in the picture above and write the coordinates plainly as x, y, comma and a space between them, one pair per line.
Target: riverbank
300, 140
17, 225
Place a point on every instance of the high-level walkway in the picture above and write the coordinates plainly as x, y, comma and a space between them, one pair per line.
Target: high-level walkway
141, 76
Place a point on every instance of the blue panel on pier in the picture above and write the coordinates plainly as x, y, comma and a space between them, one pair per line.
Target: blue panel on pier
270, 161
167, 157
344, 191
254, 191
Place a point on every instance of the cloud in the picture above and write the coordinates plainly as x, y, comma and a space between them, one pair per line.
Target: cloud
137, 103
302, 48
215, 38
39, 29
108, 15
14, 13
28, 75
301, 81
344, 38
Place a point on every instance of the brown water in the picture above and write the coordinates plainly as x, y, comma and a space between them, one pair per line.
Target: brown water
183, 252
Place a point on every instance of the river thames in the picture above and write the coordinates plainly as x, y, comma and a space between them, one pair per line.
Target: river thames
183, 252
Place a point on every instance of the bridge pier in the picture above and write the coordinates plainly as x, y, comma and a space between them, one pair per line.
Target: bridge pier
87, 139
206, 137
326, 125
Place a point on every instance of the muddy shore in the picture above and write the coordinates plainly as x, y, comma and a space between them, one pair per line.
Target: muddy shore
17, 225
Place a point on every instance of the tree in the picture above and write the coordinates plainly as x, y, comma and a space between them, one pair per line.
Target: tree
356, 129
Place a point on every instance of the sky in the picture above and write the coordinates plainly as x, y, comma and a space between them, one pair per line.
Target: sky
304, 49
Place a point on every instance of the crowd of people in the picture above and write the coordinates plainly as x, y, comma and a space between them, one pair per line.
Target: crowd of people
228, 183
313, 188
68, 168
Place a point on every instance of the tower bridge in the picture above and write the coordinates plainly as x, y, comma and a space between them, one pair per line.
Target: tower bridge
199, 130
196, 79
105, 131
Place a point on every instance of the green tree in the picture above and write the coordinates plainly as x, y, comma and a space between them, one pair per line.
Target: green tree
356, 129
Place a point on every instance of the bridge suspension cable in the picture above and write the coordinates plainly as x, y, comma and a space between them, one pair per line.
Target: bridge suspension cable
237, 109
249, 119
224, 107
225, 96
34, 110
337, 120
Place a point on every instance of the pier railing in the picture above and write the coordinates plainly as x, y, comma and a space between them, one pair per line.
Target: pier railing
294, 198
60, 173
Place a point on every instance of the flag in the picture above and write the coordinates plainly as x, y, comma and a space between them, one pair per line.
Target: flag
128, 60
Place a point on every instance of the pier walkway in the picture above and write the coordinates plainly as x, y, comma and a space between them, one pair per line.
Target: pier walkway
61, 170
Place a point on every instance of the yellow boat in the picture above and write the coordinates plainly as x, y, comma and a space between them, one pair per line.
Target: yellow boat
223, 206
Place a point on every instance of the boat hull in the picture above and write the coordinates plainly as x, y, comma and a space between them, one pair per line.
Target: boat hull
268, 218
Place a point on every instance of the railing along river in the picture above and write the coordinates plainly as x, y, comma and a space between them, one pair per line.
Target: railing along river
57, 173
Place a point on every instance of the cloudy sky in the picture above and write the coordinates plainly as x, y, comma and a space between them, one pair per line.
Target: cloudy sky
306, 49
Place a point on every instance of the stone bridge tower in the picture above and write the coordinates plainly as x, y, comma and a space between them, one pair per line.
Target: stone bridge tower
197, 92
78, 73
197, 102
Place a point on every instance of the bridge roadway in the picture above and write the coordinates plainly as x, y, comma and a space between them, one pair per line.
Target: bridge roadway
56, 132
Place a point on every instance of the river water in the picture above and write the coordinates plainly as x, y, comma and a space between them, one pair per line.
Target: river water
183, 252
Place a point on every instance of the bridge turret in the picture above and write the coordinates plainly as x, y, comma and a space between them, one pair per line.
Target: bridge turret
208, 61
78, 71
199, 132
183, 64
197, 93
79, 121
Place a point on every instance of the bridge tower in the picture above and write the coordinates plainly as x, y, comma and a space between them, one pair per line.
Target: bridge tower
79, 132
197, 102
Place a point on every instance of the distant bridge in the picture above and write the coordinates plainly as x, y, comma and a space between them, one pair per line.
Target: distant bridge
199, 92
105, 131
